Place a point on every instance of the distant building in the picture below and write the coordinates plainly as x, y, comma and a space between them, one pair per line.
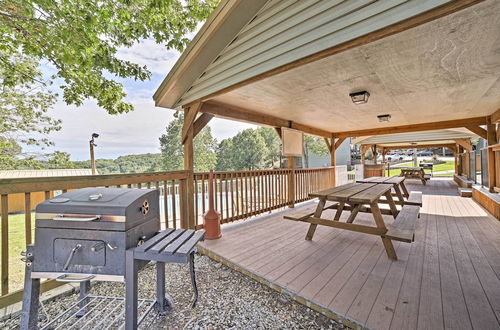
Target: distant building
342, 157
16, 201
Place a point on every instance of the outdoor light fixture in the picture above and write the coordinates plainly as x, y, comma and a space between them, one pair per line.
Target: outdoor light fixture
382, 118
359, 97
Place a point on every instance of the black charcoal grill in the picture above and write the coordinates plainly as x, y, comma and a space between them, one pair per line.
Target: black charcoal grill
87, 231
105, 234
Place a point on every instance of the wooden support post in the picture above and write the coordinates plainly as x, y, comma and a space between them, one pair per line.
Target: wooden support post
491, 170
455, 154
333, 161
492, 134
375, 154
291, 182
5, 245
187, 138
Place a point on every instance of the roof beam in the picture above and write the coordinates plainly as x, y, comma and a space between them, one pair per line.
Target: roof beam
420, 146
476, 121
495, 116
240, 114
430, 15
201, 122
478, 130
465, 143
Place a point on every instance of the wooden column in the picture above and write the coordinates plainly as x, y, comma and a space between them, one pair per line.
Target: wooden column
291, 182
492, 134
455, 154
375, 154
188, 187
492, 140
332, 147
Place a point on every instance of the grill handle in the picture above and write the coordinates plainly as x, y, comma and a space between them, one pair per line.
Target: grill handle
62, 217
67, 278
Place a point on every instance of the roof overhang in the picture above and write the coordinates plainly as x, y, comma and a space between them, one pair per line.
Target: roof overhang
217, 32
437, 69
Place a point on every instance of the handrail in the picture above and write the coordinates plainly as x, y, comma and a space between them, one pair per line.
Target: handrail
22, 185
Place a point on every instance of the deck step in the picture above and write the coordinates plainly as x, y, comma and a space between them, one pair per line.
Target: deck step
415, 198
465, 192
462, 181
403, 228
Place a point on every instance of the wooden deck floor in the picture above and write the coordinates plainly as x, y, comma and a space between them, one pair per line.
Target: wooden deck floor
448, 278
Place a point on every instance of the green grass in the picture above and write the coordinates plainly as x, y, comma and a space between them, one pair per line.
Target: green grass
17, 244
447, 166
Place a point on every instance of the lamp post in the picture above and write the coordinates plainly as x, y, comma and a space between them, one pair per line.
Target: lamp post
92, 158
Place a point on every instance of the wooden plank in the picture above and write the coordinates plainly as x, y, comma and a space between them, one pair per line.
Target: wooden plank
4, 200
370, 194
416, 127
430, 314
403, 228
333, 190
23, 185
27, 218
408, 301
344, 194
481, 132
158, 247
481, 314
201, 122
232, 112
178, 242
347, 226
153, 240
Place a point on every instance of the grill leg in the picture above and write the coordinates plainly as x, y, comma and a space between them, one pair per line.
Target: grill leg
131, 269
164, 305
193, 278
29, 316
84, 291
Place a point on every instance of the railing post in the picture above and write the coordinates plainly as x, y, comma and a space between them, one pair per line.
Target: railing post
5, 244
184, 203
291, 182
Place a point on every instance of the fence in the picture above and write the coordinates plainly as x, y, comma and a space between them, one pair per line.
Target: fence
243, 194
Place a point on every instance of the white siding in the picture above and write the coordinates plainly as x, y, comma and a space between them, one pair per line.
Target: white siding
287, 30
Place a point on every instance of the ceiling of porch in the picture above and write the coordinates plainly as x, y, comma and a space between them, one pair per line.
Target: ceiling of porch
442, 70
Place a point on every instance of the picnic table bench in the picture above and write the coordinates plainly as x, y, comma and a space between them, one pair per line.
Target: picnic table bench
415, 173
363, 197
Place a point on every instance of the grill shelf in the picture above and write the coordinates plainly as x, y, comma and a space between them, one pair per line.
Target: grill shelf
101, 312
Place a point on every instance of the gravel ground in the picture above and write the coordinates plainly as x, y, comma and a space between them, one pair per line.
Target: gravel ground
227, 299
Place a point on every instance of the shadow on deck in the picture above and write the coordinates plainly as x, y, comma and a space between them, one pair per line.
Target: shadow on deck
448, 278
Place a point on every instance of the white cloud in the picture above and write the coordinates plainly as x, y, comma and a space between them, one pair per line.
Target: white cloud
147, 52
131, 133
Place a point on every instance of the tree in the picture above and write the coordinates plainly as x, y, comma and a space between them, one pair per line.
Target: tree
273, 144
24, 102
81, 39
315, 145
172, 150
225, 155
60, 159
249, 150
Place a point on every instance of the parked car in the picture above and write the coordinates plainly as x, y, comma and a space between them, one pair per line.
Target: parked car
425, 153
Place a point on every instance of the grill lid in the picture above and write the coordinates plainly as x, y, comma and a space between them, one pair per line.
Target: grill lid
109, 201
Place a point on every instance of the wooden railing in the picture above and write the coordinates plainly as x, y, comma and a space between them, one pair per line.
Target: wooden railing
243, 194
34, 190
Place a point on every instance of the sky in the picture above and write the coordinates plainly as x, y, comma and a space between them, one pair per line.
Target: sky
131, 133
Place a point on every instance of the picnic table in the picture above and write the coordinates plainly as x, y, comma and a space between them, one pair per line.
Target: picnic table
415, 173
363, 197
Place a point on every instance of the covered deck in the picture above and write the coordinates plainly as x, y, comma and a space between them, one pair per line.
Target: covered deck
448, 278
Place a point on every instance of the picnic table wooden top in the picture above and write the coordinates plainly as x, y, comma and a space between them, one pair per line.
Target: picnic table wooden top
411, 169
354, 192
383, 179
